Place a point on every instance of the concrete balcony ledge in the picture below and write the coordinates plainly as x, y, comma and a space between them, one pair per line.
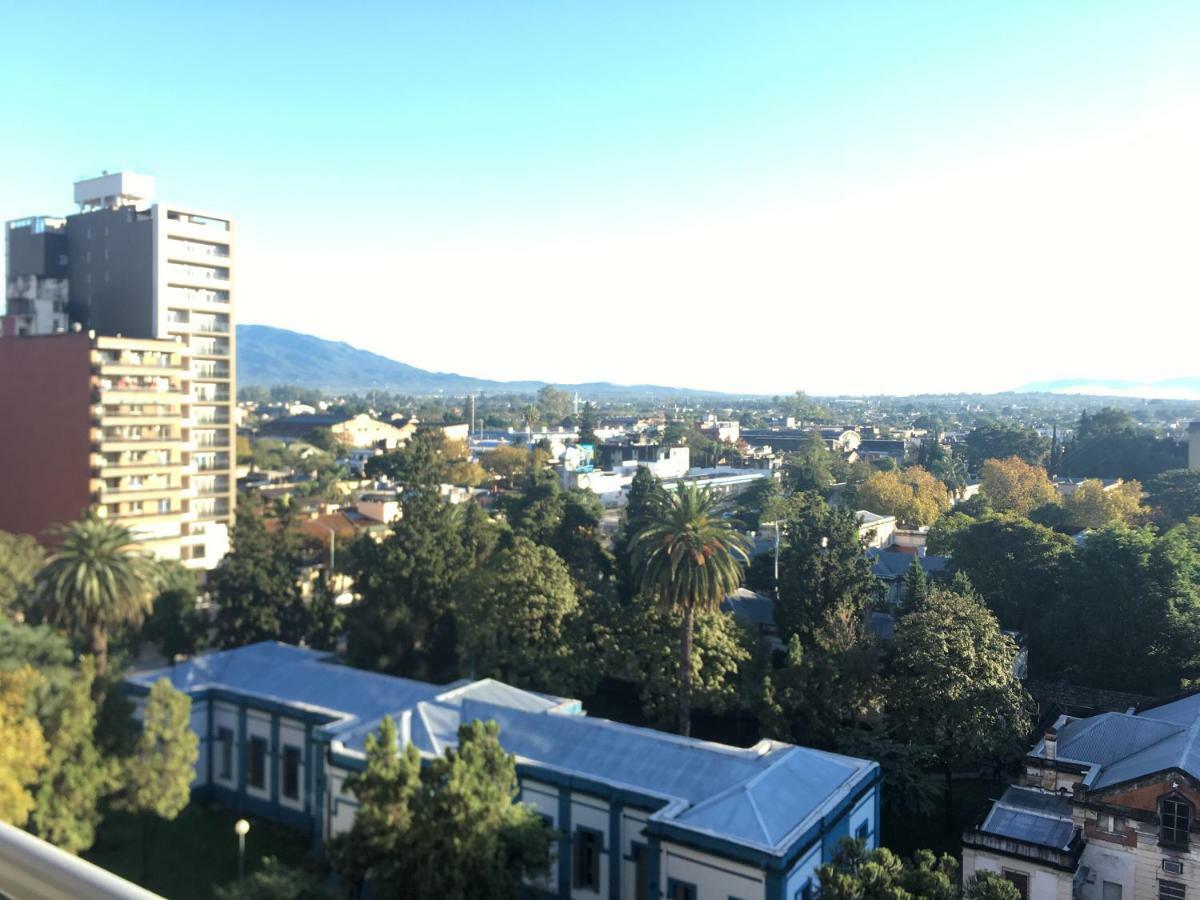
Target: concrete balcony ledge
31, 869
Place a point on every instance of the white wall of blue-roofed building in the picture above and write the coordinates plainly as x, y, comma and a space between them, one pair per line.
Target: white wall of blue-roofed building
713, 877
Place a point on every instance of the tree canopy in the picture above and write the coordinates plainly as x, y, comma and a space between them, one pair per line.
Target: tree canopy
913, 496
691, 560
514, 615
451, 829
1013, 485
96, 581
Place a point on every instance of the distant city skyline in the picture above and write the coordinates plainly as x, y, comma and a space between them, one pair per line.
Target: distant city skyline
882, 198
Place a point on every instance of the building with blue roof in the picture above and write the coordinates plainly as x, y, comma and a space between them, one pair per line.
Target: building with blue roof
1123, 790
641, 813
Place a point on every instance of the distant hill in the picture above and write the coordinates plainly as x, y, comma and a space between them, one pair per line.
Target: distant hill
1167, 389
267, 356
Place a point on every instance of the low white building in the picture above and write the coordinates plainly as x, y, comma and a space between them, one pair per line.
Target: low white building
639, 813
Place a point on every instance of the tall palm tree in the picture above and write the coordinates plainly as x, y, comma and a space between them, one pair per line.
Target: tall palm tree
96, 581
692, 560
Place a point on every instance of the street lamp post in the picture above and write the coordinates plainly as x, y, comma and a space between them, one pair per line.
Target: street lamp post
332, 544
242, 828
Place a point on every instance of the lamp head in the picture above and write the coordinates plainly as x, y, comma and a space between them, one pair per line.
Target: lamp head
242, 827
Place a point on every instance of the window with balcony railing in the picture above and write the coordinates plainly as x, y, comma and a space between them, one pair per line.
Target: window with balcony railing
185, 272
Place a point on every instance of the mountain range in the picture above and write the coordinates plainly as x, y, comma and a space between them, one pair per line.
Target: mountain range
268, 356
1166, 389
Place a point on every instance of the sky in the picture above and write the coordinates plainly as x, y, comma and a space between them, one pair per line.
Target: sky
867, 197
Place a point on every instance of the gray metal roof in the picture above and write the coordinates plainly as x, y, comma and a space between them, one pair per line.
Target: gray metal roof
1037, 817
762, 796
1121, 747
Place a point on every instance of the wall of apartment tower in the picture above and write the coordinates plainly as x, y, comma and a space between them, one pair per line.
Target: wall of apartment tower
46, 404
166, 272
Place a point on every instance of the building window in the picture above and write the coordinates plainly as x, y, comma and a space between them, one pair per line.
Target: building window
1020, 879
586, 863
1112, 891
225, 740
808, 892
1171, 890
256, 775
291, 773
864, 832
680, 890
1174, 820
641, 871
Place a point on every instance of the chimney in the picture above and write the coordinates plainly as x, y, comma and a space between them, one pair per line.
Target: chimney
404, 729
1050, 742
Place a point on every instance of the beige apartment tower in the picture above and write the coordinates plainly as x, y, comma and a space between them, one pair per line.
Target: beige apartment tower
149, 271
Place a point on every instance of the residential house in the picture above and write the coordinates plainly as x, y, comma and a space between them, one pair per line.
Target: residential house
891, 567
639, 813
359, 430
875, 529
1107, 809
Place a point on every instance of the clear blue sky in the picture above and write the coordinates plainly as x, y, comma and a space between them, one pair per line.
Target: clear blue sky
762, 196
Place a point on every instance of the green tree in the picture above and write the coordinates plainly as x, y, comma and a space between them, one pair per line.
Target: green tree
1018, 567
384, 789
1140, 591
21, 558
553, 405
587, 424
916, 586
324, 440
455, 830
1174, 496
471, 838
536, 510
515, 613
579, 543
275, 881
94, 582
156, 778
23, 748
76, 775
822, 566
404, 623
860, 874
1110, 444
428, 460
648, 660
691, 559
954, 686
826, 682
809, 468
990, 886
175, 625
257, 584
1000, 441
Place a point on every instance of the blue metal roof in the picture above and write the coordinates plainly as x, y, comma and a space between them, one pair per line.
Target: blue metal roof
763, 796
1121, 747
1034, 816
889, 564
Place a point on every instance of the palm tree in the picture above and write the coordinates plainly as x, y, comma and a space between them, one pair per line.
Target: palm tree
96, 581
693, 560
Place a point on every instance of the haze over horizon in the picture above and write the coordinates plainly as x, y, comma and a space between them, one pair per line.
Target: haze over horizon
841, 200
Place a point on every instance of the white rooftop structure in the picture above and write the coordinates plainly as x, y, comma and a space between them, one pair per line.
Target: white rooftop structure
113, 189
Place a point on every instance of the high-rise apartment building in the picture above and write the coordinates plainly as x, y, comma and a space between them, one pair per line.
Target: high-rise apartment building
127, 266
